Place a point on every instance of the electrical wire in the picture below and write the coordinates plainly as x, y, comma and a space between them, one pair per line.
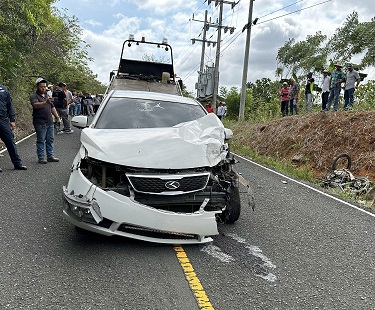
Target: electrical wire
308, 7
281, 8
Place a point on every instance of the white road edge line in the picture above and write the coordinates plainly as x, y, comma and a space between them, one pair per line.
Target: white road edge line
305, 185
2, 151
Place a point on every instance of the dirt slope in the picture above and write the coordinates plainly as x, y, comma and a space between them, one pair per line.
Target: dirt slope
315, 138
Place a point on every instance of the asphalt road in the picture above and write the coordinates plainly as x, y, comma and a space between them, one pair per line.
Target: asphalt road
299, 249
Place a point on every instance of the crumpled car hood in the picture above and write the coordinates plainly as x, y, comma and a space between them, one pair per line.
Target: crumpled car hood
192, 144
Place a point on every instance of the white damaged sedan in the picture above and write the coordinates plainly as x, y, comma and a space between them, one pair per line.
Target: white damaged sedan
152, 167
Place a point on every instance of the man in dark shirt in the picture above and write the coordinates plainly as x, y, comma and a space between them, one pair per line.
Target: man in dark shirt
61, 106
7, 124
43, 109
308, 91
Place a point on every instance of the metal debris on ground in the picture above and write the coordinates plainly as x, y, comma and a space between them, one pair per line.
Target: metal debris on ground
344, 180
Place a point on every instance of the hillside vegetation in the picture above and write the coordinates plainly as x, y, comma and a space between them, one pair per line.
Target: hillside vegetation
308, 143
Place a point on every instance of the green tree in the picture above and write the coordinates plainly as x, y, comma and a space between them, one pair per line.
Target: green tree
297, 58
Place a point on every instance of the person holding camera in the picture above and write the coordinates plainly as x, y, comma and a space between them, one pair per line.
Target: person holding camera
43, 108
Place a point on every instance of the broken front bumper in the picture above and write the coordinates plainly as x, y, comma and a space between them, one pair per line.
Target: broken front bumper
87, 206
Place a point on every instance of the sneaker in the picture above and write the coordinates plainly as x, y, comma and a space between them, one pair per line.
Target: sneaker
42, 161
52, 159
68, 131
60, 132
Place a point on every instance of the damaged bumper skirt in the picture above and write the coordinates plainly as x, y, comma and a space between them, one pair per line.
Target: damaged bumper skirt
109, 213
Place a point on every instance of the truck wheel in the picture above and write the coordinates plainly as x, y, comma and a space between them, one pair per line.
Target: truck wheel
340, 159
233, 209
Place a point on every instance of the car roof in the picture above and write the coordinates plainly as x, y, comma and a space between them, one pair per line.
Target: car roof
152, 96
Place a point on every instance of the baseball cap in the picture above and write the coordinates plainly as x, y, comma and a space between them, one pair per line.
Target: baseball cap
50, 85
309, 74
40, 80
325, 71
61, 84
285, 83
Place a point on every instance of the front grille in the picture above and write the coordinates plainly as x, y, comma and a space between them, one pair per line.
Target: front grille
153, 233
168, 184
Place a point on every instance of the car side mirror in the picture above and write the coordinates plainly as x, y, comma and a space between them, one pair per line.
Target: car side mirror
228, 133
80, 121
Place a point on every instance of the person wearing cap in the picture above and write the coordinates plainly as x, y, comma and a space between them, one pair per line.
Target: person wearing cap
284, 94
325, 88
49, 90
293, 96
351, 83
308, 92
43, 108
7, 124
337, 77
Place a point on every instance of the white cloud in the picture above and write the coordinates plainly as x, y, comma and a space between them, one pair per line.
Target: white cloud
163, 6
173, 19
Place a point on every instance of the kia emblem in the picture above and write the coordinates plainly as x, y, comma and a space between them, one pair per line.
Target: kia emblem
172, 185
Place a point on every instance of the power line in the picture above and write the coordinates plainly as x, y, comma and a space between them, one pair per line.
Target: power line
309, 7
281, 8
239, 32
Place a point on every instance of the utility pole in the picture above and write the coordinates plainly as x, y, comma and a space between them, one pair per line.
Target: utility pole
241, 115
202, 86
217, 60
204, 40
216, 71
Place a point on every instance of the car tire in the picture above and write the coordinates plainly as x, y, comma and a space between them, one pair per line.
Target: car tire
233, 209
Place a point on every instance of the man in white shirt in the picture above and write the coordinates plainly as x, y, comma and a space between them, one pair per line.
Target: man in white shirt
351, 83
221, 110
325, 88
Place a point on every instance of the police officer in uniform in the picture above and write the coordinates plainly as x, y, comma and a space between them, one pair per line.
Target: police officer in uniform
7, 124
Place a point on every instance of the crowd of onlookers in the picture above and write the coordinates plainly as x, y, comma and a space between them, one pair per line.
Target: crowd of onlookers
79, 103
52, 105
331, 85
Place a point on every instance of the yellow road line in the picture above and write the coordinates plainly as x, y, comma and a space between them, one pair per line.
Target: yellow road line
195, 285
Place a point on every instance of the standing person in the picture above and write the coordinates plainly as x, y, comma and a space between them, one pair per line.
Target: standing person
337, 77
209, 108
43, 109
325, 89
225, 110
97, 101
49, 90
220, 111
69, 98
62, 107
7, 124
78, 102
72, 105
89, 103
83, 104
284, 94
308, 92
351, 83
293, 96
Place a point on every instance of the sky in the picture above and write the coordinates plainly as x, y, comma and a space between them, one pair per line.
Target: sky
107, 23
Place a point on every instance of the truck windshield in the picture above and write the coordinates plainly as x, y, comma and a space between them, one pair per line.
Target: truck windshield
127, 113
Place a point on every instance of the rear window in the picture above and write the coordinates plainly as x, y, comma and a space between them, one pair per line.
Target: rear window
127, 113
